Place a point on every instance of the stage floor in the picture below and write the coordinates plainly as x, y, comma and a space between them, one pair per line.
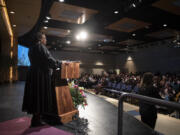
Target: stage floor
98, 118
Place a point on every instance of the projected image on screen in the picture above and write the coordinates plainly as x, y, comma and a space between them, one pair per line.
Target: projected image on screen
23, 59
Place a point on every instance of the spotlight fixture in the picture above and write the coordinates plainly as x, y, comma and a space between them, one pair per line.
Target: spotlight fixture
61, 0
14, 25
47, 17
12, 12
68, 42
116, 12
45, 27
133, 34
82, 36
46, 21
164, 25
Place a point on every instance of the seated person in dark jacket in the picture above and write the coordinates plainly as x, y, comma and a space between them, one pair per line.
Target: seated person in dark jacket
38, 98
148, 111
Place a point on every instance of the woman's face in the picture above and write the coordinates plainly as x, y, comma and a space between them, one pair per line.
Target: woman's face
43, 39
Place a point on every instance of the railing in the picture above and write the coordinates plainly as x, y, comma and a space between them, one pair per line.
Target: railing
150, 100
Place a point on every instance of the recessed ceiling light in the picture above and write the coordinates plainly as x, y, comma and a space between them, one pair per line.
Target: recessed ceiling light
12, 12
47, 17
133, 34
174, 41
45, 27
61, 0
14, 25
116, 12
147, 27
68, 42
134, 5
46, 21
165, 25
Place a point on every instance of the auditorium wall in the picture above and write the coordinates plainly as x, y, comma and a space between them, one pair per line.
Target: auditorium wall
90, 63
161, 57
8, 51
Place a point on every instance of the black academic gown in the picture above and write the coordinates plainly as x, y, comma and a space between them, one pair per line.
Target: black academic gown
38, 92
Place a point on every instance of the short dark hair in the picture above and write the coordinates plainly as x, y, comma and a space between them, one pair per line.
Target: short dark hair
38, 36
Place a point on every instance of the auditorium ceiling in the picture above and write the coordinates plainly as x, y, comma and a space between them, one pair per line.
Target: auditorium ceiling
112, 26
23, 14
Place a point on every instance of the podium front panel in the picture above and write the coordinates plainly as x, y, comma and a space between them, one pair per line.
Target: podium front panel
70, 70
64, 100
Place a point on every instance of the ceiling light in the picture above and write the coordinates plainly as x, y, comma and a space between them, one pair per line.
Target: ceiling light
174, 41
46, 21
12, 12
14, 25
165, 25
129, 58
116, 12
77, 37
45, 27
82, 35
61, 0
69, 31
133, 34
47, 17
68, 42
107, 40
133, 5
147, 27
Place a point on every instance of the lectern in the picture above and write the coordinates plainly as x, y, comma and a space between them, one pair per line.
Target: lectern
65, 106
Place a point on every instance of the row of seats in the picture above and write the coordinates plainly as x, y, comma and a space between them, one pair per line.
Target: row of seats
113, 86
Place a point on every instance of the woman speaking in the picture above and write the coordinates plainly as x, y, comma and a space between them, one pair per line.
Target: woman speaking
38, 91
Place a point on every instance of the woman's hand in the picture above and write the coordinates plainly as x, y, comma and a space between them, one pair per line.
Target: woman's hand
65, 62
